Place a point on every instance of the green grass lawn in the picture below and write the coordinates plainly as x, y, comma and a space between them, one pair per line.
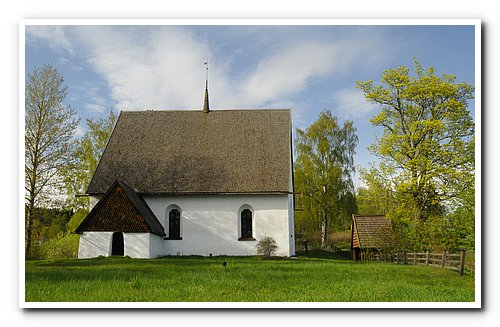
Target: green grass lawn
196, 279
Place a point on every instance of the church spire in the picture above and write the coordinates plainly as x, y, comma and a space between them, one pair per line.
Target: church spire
205, 103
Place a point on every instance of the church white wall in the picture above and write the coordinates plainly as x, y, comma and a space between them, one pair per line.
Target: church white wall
291, 212
94, 244
136, 245
155, 246
291, 225
210, 224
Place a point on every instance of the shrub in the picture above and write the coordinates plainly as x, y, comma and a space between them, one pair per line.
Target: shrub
64, 245
35, 252
267, 247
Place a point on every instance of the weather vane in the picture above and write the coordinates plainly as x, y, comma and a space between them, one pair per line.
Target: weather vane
205, 103
206, 72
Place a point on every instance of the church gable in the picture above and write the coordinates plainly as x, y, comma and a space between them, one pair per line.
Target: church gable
121, 209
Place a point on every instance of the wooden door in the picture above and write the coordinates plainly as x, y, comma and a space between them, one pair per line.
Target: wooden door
117, 244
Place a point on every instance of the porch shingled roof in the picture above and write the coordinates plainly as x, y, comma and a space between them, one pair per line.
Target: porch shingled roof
121, 209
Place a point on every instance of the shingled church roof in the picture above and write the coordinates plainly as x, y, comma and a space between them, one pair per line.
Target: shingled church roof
191, 151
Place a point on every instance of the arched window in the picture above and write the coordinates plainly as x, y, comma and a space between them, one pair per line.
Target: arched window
246, 225
174, 224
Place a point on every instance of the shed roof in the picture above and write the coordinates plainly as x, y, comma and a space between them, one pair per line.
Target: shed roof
371, 232
191, 151
121, 209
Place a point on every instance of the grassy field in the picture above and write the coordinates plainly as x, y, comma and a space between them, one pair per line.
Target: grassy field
248, 279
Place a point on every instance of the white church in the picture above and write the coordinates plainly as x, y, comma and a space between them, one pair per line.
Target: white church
192, 182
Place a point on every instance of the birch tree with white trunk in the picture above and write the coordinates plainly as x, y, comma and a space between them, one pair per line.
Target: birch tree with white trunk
323, 173
49, 129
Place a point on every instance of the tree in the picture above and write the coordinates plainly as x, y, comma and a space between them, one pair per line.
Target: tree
323, 173
373, 199
87, 152
426, 150
49, 128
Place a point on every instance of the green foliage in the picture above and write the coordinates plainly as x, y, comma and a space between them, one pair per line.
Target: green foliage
57, 226
267, 247
52, 233
76, 220
323, 176
35, 253
48, 223
376, 197
87, 154
64, 245
426, 152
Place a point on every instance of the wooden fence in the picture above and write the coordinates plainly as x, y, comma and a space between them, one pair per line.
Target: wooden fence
454, 261
451, 261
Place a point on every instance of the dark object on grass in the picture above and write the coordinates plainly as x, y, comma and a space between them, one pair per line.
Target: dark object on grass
224, 263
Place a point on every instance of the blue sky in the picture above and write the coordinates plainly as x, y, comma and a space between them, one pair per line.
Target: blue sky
306, 68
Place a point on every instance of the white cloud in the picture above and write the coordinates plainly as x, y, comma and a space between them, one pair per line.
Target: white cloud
80, 130
53, 36
88, 95
351, 104
94, 108
289, 70
147, 70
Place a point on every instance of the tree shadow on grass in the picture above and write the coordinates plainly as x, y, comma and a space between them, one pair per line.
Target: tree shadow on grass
321, 254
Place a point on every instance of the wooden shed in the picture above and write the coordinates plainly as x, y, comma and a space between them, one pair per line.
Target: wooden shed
371, 235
